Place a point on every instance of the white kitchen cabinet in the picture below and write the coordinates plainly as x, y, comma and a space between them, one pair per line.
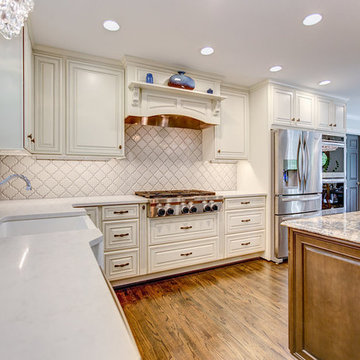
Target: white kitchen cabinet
331, 115
47, 134
292, 107
229, 140
95, 114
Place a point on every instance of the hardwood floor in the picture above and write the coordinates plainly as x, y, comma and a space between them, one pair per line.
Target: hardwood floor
233, 312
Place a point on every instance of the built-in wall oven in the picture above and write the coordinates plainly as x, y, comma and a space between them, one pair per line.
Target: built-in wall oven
333, 196
333, 157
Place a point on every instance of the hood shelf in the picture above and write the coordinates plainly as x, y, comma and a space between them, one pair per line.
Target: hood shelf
176, 91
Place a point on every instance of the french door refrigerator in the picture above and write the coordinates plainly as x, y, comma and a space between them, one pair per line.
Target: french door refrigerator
297, 185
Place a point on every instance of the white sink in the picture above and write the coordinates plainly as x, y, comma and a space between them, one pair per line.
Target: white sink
47, 225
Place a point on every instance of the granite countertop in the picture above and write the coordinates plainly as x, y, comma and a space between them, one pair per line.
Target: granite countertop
344, 226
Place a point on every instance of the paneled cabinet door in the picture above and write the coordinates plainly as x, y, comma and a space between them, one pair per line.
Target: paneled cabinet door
305, 114
283, 106
49, 115
231, 136
95, 118
340, 117
324, 113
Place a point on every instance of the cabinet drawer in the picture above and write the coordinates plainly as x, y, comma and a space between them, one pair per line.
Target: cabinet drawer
171, 256
121, 264
244, 243
121, 234
180, 228
244, 203
120, 212
93, 213
244, 220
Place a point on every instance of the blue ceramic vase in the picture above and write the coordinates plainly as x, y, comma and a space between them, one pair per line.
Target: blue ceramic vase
180, 80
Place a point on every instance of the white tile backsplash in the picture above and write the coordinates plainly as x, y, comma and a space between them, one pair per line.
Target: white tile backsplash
156, 159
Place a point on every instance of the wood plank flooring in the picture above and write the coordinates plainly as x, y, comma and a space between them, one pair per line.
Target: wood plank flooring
233, 312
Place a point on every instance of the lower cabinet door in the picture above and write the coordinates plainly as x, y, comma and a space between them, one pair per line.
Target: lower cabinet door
172, 256
244, 243
121, 264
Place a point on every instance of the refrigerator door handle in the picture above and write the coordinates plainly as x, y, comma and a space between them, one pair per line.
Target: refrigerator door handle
307, 162
299, 173
300, 198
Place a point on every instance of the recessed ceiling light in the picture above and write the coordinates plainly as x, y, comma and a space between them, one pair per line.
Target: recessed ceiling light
312, 19
111, 25
207, 50
324, 82
275, 68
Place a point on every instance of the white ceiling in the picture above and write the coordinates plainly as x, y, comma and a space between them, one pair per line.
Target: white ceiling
249, 36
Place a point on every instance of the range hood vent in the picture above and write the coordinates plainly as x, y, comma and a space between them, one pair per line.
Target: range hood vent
168, 120
158, 104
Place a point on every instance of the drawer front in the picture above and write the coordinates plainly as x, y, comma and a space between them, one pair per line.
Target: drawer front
122, 234
245, 202
244, 243
121, 264
172, 256
244, 220
120, 212
93, 213
181, 228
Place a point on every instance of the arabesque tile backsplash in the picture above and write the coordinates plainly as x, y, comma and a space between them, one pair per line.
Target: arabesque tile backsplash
156, 158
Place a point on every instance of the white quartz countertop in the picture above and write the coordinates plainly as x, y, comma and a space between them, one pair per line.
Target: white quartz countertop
55, 303
235, 193
61, 206
344, 226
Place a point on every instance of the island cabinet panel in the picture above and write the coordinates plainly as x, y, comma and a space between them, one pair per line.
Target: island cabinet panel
324, 293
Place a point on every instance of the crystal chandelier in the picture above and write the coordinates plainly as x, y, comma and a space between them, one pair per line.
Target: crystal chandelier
13, 14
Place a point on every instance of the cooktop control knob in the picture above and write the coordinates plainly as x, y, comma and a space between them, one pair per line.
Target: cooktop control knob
207, 207
170, 211
185, 210
215, 207
193, 209
161, 212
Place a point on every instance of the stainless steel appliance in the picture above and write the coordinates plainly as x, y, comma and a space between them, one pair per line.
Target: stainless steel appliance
181, 202
333, 157
333, 196
297, 181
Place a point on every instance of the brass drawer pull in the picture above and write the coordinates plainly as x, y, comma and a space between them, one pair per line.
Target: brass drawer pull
186, 254
246, 220
247, 243
121, 235
245, 202
121, 265
185, 227
121, 212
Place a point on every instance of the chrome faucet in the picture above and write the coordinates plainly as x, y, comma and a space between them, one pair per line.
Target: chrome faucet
28, 183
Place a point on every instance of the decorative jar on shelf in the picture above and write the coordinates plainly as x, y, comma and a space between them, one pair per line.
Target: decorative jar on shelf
180, 80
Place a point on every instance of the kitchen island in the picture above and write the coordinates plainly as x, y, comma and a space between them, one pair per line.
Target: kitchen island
324, 287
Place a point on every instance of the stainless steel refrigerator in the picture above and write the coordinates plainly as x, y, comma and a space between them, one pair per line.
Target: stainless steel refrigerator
297, 185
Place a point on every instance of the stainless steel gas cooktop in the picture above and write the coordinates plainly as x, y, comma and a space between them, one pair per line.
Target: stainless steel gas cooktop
181, 202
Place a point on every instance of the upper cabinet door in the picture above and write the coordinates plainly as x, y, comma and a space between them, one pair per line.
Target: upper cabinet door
95, 115
324, 113
305, 113
48, 114
231, 136
340, 117
283, 106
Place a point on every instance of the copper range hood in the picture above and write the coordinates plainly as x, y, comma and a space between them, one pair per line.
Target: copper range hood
168, 120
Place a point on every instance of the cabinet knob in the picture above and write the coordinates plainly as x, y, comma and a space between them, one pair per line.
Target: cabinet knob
30, 136
298, 120
334, 125
219, 151
120, 147
331, 125
293, 119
